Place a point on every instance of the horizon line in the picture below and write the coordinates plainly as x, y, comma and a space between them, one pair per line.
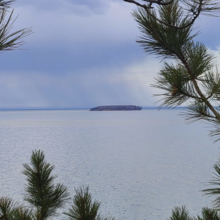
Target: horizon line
77, 108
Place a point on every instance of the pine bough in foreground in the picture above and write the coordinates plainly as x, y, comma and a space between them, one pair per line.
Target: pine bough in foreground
192, 79
45, 197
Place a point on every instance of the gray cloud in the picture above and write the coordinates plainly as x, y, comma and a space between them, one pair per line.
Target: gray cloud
77, 6
82, 53
75, 58
69, 90
63, 42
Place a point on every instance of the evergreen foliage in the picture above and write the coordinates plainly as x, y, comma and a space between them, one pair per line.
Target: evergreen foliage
192, 79
5, 3
10, 210
209, 214
215, 182
41, 191
45, 197
180, 213
10, 41
191, 10
84, 208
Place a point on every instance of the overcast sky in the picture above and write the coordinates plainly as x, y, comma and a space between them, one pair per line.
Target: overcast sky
82, 54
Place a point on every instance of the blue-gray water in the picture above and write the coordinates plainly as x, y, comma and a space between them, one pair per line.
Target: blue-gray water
139, 164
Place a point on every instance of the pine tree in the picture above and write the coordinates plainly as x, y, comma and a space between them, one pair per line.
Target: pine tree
84, 208
181, 213
45, 197
192, 79
41, 191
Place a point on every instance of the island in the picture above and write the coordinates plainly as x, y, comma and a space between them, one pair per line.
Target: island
116, 108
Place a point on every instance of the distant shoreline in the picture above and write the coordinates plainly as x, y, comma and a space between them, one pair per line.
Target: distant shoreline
69, 109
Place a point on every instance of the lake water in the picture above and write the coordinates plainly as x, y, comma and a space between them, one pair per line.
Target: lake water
139, 164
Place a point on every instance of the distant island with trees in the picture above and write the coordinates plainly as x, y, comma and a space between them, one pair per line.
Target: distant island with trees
116, 108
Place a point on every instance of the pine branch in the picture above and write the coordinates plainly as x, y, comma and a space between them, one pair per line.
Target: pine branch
193, 7
216, 190
197, 88
41, 191
11, 41
175, 81
5, 4
159, 39
197, 110
211, 83
180, 213
192, 80
7, 208
84, 208
10, 210
209, 214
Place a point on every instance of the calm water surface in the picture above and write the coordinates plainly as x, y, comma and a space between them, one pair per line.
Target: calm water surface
139, 164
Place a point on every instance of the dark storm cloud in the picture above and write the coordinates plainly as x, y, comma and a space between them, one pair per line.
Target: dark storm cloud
82, 53
62, 42
71, 58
